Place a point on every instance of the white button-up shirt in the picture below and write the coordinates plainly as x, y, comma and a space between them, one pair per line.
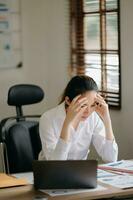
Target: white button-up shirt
90, 130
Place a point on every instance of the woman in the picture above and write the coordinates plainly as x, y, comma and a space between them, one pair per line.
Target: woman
82, 117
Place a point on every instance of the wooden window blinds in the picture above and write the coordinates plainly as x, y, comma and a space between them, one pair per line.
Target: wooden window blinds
95, 45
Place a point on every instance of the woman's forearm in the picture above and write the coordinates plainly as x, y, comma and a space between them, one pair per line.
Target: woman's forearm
66, 131
108, 129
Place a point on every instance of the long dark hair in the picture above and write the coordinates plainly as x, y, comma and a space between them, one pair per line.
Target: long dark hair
79, 85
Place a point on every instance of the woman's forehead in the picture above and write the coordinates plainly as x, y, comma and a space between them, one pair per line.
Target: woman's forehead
89, 94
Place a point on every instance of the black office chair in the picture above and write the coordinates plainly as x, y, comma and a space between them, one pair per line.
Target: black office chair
19, 134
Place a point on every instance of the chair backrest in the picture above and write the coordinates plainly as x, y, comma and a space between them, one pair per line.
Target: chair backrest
24, 94
20, 133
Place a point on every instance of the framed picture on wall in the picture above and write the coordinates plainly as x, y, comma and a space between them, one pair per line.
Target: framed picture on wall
10, 34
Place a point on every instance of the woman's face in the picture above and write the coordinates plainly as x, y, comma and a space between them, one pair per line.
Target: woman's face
90, 95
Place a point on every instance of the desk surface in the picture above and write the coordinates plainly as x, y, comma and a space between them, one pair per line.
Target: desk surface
28, 193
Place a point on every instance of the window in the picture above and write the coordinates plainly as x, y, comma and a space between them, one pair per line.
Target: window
95, 45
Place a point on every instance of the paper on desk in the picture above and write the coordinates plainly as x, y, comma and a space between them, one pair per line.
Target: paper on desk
27, 175
102, 174
122, 164
59, 192
121, 181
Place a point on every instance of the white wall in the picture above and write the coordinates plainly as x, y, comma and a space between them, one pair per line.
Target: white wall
57, 47
33, 70
46, 56
45, 53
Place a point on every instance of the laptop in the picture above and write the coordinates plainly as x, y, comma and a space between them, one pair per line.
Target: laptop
66, 174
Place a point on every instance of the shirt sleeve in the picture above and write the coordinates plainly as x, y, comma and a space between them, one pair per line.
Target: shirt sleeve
107, 149
53, 148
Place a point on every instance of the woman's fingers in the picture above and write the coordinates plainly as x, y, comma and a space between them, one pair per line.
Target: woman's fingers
78, 104
99, 100
81, 103
78, 100
75, 99
76, 108
81, 107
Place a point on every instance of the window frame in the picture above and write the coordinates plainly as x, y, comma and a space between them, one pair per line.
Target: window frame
78, 51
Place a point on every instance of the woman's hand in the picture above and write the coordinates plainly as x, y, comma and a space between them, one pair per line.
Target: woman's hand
73, 116
75, 110
101, 107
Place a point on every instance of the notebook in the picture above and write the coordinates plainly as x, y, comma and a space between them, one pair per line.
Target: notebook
10, 181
